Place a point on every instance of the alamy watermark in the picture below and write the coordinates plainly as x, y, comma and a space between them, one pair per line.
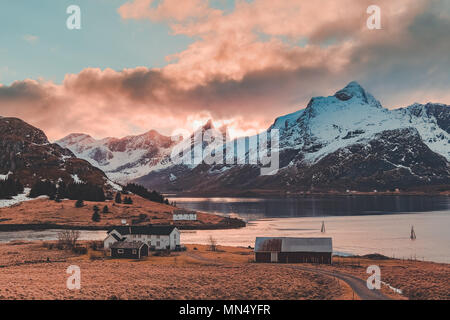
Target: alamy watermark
73, 22
74, 280
374, 281
374, 20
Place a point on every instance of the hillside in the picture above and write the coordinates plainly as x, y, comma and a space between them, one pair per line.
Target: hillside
27, 155
48, 214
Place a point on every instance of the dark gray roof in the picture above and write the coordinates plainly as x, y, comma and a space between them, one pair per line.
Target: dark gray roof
115, 236
127, 245
147, 230
285, 244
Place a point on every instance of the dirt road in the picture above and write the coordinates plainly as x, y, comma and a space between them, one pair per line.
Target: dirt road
359, 286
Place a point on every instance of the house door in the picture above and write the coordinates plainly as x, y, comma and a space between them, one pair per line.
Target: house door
274, 257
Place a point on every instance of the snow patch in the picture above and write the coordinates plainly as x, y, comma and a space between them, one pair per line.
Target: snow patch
5, 176
64, 158
392, 288
76, 179
114, 185
16, 199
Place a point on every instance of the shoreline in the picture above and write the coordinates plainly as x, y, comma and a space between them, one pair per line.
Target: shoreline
50, 226
294, 195
336, 255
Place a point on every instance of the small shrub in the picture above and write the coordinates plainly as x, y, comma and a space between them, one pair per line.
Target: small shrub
93, 256
96, 245
118, 198
128, 200
79, 250
48, 245
67, 239
79, 203
96, 216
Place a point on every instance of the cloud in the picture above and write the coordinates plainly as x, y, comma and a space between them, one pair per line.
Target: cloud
31, 38
172, 10
248, 66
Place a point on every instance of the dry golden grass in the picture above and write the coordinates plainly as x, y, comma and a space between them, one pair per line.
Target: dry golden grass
222, 254
44, 211
178, 276
117, 279
417, 279
20, 252
227, 273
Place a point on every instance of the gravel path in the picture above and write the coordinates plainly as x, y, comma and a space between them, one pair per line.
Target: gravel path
359, 286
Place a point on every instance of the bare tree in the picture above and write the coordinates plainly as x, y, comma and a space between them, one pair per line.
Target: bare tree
212, 243
68, 238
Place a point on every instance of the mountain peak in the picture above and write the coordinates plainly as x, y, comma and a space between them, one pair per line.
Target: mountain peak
208, 125
76, 138
352, 96
353, 89
15, 127
152, 134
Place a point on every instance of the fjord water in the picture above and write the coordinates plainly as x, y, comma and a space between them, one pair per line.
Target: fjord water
358, 224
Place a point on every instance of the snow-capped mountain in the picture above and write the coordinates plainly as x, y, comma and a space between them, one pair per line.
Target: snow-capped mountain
27, 155
343, 141
122, 159
352, 116
342, 127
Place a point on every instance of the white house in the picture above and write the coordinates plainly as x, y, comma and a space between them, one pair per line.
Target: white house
181, 215
156, 237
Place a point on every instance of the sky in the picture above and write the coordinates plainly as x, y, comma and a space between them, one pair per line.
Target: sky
167, 65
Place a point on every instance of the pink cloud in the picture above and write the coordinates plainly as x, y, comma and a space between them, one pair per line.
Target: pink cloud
244, 69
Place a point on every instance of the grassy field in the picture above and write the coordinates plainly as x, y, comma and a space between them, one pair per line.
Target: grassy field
33, 271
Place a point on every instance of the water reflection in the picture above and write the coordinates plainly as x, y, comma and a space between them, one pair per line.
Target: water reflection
315, 206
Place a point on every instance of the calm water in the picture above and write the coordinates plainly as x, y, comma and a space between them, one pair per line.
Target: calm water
315, 206
358, 225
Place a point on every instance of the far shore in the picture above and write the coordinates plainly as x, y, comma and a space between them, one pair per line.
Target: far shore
283, 194
43, 214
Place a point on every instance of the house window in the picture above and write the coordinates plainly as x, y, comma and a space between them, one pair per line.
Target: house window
157, 237
120, 251
134, 251
158, 243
